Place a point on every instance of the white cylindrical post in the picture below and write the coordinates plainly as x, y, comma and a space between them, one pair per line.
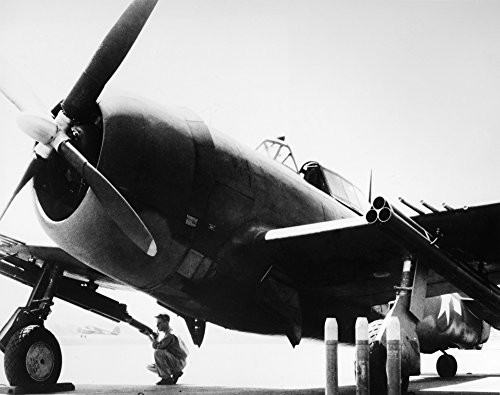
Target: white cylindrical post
393, 366
362, 357
331, 343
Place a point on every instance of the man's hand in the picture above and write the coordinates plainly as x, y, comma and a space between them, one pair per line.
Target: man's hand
153, 337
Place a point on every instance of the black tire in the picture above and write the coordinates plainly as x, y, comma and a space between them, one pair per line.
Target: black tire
378, 376
378, 357
405, 383
33, 358
373, 328
446, 366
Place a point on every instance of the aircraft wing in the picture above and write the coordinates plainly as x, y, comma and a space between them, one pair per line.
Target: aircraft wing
353, 259
18, 260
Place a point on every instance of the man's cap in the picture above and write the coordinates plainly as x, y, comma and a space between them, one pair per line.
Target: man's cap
163, 317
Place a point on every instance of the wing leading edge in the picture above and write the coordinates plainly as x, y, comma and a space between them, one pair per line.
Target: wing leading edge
18, 260
353, 259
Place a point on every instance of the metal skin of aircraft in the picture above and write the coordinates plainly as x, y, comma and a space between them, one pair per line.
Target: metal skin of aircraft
148, 197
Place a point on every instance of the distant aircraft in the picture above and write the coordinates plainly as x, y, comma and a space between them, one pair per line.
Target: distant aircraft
94, 330
148, 197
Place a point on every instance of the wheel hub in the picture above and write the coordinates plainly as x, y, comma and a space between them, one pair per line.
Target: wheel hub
39, 361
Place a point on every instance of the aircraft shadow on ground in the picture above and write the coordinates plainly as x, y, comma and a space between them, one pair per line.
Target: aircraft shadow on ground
435, 382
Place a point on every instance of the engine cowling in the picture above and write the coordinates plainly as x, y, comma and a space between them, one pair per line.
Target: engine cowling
148, 154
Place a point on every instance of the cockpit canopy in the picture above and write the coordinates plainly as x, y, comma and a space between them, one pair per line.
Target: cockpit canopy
325, 180
279, 151
335, 185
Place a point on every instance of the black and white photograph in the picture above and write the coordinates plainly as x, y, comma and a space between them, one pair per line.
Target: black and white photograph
250, 196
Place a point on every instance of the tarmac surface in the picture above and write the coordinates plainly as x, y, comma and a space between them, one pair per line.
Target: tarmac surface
463, 384
116, 365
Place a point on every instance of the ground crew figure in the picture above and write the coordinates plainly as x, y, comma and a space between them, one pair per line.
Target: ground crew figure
170, 353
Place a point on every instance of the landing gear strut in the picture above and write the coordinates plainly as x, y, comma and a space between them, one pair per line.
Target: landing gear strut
32, 354
33, 357
408, 309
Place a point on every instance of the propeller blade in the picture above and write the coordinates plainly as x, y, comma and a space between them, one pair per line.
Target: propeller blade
33, 168
53, 134
17, 91
113, 202
40, 128
20, 94
107, 59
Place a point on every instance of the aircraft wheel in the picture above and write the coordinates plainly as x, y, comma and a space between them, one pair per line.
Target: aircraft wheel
33, 358
373, 328
446, 366
378, 357
405, 383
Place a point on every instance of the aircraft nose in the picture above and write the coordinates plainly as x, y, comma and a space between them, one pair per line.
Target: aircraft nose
152, 156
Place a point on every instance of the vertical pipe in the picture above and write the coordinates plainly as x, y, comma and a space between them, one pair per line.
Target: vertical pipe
362, 357
331, 343
393, 366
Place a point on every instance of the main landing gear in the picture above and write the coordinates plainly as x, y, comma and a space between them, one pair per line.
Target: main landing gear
408, 308
32, 354
33, 359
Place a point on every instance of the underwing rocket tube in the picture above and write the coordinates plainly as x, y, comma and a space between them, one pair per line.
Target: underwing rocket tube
417, 241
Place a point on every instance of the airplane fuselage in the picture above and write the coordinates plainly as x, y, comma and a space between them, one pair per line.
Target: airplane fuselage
204, 198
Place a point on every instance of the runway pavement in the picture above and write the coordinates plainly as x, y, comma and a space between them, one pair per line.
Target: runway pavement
98, 366
428, 385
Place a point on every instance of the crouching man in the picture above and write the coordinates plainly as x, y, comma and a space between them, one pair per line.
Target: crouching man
170, 353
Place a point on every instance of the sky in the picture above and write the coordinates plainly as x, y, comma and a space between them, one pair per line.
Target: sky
410, 89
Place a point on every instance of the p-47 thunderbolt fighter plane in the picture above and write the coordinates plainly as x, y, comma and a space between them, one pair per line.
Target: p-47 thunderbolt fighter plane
149, 197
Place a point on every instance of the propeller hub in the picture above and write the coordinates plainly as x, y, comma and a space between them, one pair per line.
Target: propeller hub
49, 133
